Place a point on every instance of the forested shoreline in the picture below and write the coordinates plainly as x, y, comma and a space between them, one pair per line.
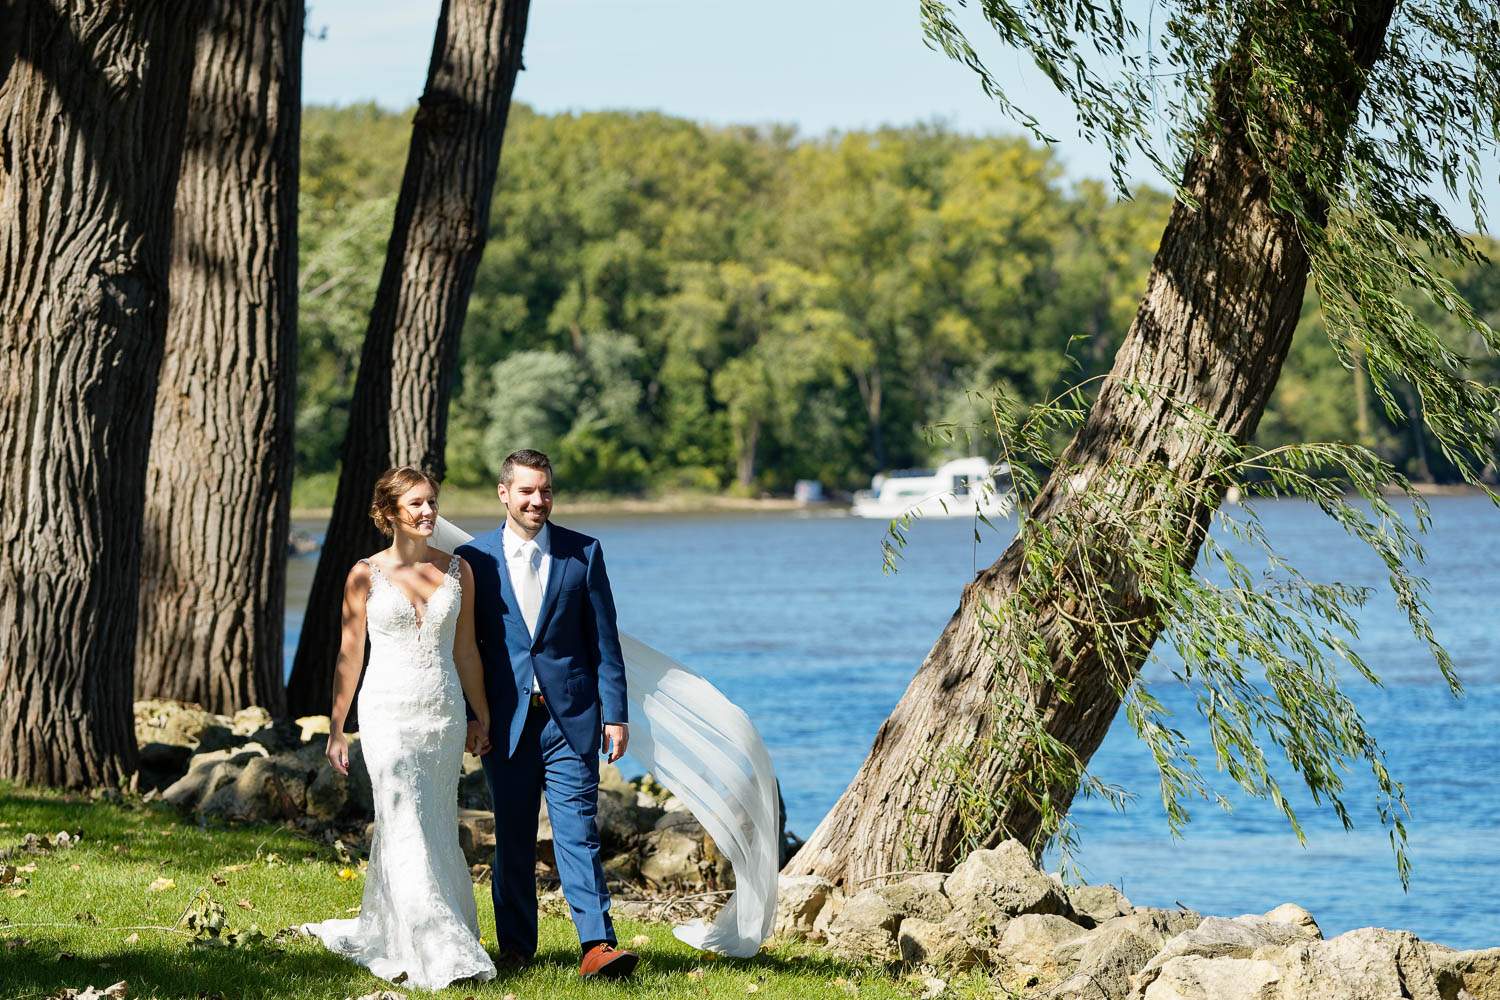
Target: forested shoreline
669, 306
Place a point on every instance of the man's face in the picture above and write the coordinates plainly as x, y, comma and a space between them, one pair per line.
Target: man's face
527, 497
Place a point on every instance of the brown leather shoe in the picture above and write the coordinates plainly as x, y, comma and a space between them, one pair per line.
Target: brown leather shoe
606, 961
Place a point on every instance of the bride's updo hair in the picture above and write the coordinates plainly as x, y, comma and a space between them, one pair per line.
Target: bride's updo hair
389, 488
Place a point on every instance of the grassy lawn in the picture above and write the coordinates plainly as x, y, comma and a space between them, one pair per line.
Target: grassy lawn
111, 908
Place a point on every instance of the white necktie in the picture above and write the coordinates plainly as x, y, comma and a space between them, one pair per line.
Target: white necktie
529, 584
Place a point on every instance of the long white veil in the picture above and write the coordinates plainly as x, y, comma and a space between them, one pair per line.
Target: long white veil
704, 749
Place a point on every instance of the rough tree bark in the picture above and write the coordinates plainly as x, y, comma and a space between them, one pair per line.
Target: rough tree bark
91, 108
218, 488
399, 413
1212, 331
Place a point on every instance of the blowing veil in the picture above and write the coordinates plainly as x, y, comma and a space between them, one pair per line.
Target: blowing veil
703, 749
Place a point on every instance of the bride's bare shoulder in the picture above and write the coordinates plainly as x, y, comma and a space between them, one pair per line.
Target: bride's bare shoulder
360, 575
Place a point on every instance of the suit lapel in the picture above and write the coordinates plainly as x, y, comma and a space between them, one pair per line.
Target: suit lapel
555, 574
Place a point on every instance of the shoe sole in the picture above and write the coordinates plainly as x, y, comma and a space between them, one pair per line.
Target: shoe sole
616, 968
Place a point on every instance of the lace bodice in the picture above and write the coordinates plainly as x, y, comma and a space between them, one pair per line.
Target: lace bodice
391, 617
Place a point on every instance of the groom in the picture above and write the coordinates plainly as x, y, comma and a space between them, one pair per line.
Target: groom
545, 625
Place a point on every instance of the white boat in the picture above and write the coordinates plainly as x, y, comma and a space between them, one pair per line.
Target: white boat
964, 487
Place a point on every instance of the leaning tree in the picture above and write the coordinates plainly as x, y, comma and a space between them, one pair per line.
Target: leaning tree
218, 489
91, 109
399, 411
1308, 138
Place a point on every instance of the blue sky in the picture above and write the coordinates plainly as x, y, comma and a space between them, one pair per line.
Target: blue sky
819, 64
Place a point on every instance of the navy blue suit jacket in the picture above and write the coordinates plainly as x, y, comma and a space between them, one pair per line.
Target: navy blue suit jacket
575, 655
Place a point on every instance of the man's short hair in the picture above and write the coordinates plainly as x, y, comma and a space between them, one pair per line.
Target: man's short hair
530, 458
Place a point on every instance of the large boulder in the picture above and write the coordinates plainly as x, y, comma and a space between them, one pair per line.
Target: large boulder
476, 835
947, 944
209, 772
799, 900
994, 885
1218, 937
918, 896
1094, 904
1102, 962
678, 854
1191, 977
865, 928
1028, 951
1477, 973
267, 788
1361, 965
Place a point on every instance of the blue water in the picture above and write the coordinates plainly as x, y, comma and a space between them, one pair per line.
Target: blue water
792, 618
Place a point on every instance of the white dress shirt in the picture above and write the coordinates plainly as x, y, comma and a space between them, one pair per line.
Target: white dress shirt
512, 543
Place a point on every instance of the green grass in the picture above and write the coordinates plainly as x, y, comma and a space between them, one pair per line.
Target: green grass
73, 925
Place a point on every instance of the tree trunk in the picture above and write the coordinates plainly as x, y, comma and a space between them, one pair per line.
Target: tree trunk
1211, 332
871, 392
218, 489
744, 466
399, 413
91, 107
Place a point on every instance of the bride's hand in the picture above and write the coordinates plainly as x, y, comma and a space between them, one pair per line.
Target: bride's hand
338, 752
478, 739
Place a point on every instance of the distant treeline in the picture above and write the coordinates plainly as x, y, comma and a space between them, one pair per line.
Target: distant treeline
665, 305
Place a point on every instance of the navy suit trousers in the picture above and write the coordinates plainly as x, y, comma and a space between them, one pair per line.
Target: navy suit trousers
543, 762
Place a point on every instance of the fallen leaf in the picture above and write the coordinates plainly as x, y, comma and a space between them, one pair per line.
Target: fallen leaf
346, 873
639, 941
352, 909
219, 880
7, 874
75, 868
161, 885
86, 918
244, 904
115, 992
846, 986
27, 869
134, 938
752, 988
234, 868
16, 893
695, 973
932, 988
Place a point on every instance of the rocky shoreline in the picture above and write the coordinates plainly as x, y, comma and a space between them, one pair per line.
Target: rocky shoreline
996, 911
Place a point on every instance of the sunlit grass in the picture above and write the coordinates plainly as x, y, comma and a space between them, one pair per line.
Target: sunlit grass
89, 916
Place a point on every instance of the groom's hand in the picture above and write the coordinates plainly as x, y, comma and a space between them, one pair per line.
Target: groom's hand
478, 739
616, 739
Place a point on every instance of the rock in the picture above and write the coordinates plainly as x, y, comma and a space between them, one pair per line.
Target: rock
1360, 965
207, 772
313, 725
173, 723
1194, 978
1291, 913
918, 896
476, 835
672, 858
1102, 962
474, 791
266, 788
991, 885
327, 795
249, 720
1028, 950
1216, 937
944, 945
865, 929
1477, 973
361, 796
1097, 903
828, 914
799, 900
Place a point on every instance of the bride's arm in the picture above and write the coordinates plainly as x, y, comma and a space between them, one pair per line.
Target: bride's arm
351, 662
466, 653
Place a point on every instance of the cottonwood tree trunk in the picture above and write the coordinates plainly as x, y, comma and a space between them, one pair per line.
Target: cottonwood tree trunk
399, 413
91, 108
1211, 332
218, 488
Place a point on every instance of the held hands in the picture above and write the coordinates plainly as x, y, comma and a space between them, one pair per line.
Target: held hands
477, 741
616, 739
338, 752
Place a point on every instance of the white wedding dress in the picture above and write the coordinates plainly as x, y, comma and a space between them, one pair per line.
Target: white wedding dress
417, 923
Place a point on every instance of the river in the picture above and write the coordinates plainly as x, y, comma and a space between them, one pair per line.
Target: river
792, 618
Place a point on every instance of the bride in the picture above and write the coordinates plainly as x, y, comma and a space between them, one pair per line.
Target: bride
418, 923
